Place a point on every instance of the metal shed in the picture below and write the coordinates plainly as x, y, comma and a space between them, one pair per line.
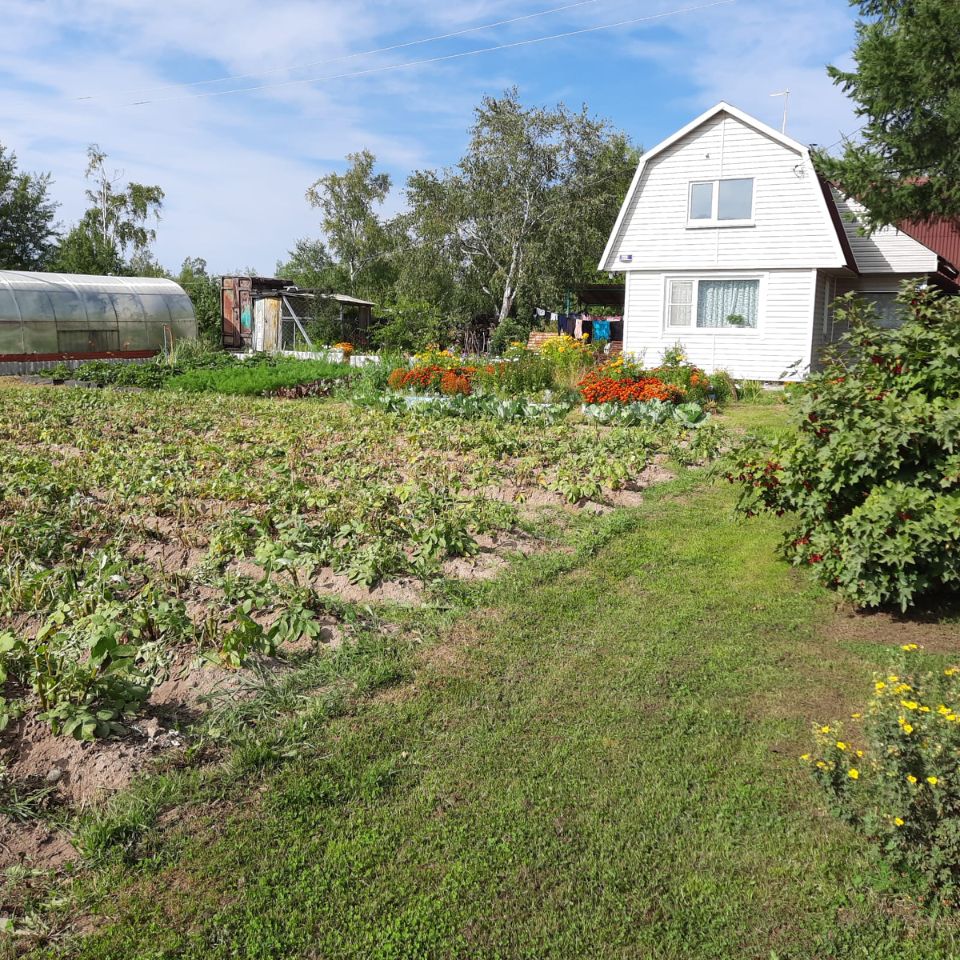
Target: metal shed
52, 317
270, 313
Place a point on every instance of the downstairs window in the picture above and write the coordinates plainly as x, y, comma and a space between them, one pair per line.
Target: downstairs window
712, 304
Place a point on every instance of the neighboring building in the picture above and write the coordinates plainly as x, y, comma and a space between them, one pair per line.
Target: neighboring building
49, 318
733, 247
271, 314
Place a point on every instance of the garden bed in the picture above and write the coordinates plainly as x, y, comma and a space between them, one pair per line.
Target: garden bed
191, 543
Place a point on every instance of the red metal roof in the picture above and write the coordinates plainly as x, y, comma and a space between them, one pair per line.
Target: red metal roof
941, 236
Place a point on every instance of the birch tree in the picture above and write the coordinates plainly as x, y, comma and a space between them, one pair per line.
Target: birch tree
114, 235
526, 174
350, 205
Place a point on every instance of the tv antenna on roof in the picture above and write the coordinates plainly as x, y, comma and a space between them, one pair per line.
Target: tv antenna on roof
786, 99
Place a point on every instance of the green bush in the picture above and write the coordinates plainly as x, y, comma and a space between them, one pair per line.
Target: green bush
872, 476
411, 325
895, 772
508, 331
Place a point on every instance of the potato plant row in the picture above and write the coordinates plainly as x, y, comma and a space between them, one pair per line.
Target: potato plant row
137, 527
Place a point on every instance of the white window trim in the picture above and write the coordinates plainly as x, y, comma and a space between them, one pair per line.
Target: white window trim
713, 222
695, 331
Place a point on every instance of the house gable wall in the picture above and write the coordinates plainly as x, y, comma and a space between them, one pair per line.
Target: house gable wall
792, 226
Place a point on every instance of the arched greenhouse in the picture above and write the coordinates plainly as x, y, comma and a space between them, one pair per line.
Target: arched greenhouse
51, 317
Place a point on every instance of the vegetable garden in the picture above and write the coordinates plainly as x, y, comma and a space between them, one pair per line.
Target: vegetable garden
138, 529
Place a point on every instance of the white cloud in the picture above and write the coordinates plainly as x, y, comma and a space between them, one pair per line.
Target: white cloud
235, 168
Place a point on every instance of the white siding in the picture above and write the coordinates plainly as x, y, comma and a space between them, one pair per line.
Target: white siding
791, 227
886, 251
779, 349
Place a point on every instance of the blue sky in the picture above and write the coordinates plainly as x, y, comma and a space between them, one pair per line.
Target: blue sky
235, 167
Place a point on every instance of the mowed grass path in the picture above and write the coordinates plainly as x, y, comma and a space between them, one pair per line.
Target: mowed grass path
599, 761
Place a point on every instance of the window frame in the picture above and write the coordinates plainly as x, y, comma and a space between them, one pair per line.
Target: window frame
714, 220
870, 297
693, 329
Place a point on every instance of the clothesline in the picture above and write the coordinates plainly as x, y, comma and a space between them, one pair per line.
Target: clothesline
582, 324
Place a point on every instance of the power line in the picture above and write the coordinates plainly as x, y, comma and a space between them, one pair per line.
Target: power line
364, 53
440, 59
844, 137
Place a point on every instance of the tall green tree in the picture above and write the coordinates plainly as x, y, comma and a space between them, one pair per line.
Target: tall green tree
357, 235
114, 234
28, 232
204, 292
906, 86
310, 266
526, 206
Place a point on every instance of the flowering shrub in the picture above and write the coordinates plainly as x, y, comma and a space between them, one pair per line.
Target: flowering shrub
566, 348
453, 382
695, 384
872, 477
610, 384
432, 379
899, 778
433, 356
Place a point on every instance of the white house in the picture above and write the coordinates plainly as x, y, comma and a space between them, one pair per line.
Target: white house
733, 247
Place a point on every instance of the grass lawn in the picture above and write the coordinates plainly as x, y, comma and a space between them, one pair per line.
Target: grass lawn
595, 757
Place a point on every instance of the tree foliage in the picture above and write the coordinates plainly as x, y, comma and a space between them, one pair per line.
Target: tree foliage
204, 293
357, 235
527, 202
907, 87
28, 232
113, 236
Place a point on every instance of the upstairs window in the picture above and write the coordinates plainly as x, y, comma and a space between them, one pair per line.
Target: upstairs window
721, 201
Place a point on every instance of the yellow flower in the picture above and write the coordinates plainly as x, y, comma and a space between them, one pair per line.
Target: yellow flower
933, 781
855, 716
907, 728
825, 728
909, 646
853, 774
950, 671
841, 745
893, 679
943, 710
898, 821
924, 709
805, 756
821, 765
859, 753
879, 685
911, 778
909, 704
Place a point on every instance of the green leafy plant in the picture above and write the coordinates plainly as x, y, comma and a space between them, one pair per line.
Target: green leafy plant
894, 772
872, 476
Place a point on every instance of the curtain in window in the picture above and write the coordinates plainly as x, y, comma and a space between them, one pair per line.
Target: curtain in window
719, 299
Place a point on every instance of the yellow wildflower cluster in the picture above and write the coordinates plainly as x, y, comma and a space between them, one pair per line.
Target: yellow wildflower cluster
564, 343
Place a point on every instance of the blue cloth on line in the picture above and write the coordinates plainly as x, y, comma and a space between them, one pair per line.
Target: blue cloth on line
601, 329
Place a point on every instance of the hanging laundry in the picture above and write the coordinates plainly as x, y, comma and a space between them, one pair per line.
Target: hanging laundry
601, 330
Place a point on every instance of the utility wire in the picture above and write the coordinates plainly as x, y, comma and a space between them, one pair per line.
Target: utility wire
843, 138
440, 59
353, 56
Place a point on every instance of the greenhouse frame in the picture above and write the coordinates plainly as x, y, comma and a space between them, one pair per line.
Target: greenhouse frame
54, 317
